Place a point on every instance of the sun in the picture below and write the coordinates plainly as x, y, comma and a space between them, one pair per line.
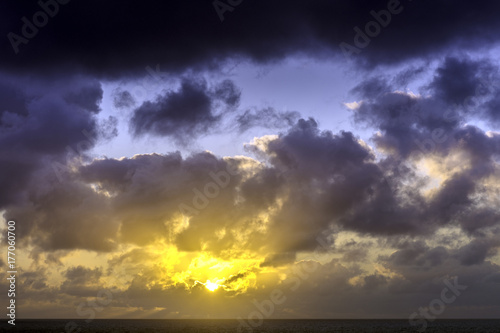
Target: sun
211, 285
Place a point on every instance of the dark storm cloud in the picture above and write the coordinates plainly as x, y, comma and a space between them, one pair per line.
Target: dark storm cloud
87, 225
372, 87
412, 125
41, 137
406, 76
459, 197
413, 128
416, 259
13, 104
109, 40
355, 255
39, 122
340, 183
123, 99
81, 281
493, 109
227, 92
306, 183
458, 79
469, 86
150, 189
87, 97
36, 280
107, 129
312, 180
278, 259
267, 118
374, 281
421, 270
418, 254
82, 275
194, 109
310, 152
477, 251
334, 173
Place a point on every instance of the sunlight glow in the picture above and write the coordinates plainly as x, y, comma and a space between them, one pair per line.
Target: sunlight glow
211, 285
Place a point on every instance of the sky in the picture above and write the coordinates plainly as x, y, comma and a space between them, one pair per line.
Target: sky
251, 159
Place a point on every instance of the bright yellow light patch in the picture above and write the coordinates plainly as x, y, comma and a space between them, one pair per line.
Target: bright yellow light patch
168, 267
211, 285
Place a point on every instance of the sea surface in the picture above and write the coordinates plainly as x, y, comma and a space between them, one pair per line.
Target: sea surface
274, 326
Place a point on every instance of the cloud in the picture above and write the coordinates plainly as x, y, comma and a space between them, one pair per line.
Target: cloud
429, 129
412, 124
166, 182
150, 189
492, 109
340, 184
89, 223
123, 99
408, 75
227, 92
477, 251
81, 281
414, 205
39, 125
279, 259
47, 127
315, 29
335, 173
266, 118
459, 79
302, 184
418, 254
372, 87
193, 110
87, 97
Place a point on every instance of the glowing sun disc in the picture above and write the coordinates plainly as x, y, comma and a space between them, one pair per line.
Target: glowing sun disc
211, 286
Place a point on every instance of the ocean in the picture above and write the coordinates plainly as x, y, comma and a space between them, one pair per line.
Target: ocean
271, 326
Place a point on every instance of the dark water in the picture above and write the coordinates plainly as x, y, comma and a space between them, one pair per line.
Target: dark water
275, 326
